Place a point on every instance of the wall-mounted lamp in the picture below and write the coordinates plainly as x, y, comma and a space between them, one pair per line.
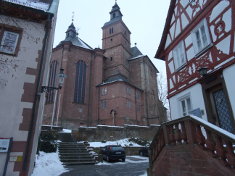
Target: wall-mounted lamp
61, 77
203, 71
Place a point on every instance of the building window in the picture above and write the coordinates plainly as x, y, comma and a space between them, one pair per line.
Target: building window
186, 106
110, 30
201, 38
137, 94
128, 104
9, 41
104, 90
128, 90
52, 81
103, 104
80, 82
179, 55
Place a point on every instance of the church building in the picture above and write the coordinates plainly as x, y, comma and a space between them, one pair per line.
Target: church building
115, 85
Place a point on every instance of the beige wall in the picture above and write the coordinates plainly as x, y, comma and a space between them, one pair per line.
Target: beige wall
15, 80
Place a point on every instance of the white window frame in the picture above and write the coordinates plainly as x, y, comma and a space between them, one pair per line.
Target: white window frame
201, 37
3, 46
185, 104
179, 55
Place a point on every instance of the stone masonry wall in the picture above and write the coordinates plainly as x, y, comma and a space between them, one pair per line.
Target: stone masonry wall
111, 133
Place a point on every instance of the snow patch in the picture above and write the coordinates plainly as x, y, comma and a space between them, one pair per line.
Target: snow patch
230, 135
123, 142
67, 131
48, 164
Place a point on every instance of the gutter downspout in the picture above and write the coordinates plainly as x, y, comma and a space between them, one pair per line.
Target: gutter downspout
146, 94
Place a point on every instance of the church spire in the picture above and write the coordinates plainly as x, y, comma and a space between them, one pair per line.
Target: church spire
115, 12
71, 31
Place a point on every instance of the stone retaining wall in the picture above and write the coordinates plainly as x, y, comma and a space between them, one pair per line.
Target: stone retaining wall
111, 133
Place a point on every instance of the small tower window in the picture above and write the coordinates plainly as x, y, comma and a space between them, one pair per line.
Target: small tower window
111, 39
110, 30
114, 15
111, 58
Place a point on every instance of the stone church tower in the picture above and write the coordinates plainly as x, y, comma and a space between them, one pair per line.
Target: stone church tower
115, 85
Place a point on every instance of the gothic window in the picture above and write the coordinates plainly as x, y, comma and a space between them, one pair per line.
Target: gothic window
201, 37
9, 40
80, 81
52, 81
179, 55
185, 105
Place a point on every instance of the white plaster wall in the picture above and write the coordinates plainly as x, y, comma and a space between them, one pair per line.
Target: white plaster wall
197, 101
228, 74
13, 76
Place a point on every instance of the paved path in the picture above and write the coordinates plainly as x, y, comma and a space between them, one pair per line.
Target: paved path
134, 166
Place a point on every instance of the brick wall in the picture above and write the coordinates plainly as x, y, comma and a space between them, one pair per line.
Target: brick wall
185, 160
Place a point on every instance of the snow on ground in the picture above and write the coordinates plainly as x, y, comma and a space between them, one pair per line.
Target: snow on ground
129, 159
145, 174
67, 131
123, 142
48, 164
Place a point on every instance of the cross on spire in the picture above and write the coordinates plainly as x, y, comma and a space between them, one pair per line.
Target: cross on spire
72, 16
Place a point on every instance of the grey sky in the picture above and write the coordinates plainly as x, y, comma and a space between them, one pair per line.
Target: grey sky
144, 18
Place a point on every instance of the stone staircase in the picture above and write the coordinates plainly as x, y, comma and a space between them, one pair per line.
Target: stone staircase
73, 153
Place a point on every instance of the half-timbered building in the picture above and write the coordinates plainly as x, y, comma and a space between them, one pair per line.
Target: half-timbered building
198, 46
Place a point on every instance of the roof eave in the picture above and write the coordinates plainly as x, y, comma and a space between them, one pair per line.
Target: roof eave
161, 46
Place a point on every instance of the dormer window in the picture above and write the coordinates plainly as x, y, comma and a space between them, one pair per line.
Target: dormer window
179, 55
201, 38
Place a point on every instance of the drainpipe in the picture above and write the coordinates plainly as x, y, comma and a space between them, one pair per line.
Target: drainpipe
146, 94
34, 117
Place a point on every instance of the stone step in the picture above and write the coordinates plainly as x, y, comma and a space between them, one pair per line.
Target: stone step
78, 153
76, 156
76, 159
78, 163
71, 153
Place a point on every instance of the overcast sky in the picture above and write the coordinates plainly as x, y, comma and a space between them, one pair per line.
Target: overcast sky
144, 18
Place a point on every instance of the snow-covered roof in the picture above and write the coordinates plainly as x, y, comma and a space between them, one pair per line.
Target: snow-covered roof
139, 56
35, 4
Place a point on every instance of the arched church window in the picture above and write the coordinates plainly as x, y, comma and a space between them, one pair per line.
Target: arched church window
52, 81
80, 81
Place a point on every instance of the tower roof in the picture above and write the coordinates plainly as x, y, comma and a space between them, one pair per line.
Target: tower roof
115, 14
72, 36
